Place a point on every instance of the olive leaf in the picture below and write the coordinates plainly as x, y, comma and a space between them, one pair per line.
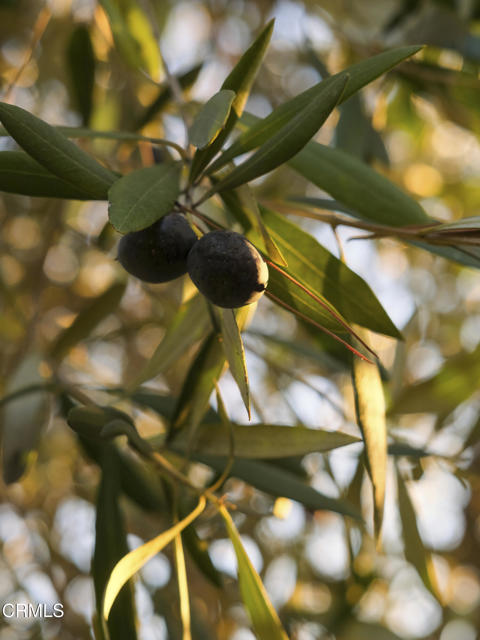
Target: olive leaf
211, 119
235, 353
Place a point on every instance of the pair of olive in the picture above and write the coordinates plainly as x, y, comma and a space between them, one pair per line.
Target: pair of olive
224, 265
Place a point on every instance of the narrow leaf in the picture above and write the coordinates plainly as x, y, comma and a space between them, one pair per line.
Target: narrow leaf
360, 75
142, 197
57, 154
211, 119
328, 276
240, 80
22, 418
414, 549
136, 559
81, 65
235, 353
87, 320
110, 547
263, 441
188, 326
370, 410
19, 173
265, 621
289, 140
183, 588
279, 482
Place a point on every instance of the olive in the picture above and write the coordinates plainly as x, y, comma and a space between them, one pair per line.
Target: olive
227, 269
159, 252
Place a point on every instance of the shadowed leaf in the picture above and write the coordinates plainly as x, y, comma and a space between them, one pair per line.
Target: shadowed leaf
211, 119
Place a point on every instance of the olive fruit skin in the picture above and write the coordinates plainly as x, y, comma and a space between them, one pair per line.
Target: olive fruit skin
159, 252
227, 269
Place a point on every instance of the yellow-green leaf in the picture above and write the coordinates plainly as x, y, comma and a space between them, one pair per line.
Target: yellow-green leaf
370, 409
233, 346
265, 620
136, 559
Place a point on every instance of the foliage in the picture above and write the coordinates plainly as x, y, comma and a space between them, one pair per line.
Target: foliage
159, 438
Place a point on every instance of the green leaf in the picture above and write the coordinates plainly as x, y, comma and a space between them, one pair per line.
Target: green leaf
136, 559
278, 482
265, 621
235, 353
89, 421
81, 65
414, 549
188, 326
368, 193
240, 80
370, 410
328, 276
57, 154
263, 441
110, 546
360, 75
133, 35
289, 140
456, 381
87, 320
22, 418
185, 81
19, 173
142, 197
211, 119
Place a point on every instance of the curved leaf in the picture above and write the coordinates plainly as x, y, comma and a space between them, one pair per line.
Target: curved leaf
142, 197
19, 173
289, 140
57, 154
136, 559
265, 620
211, 119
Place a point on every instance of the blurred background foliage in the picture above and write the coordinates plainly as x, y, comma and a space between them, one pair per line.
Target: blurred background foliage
419, 124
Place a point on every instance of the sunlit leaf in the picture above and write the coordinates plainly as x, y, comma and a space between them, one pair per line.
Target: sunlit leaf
264, 441
110, 546
235, 353
19, 173
86, 321
182, 582
370, 410
265, 621
360, 75
136, 559
211, 119
22, 418
289, 140
240, 80
57, 154
142, 197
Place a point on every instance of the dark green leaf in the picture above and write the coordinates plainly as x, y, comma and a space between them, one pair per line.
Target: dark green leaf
57, 154
328, 276
265, 620
81, 64
89, 421
19, 173
278, 482
360, 74
263, 441
110, 546
235, 353
211, 119
289, 140
87, 320
143, 197
240, 80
